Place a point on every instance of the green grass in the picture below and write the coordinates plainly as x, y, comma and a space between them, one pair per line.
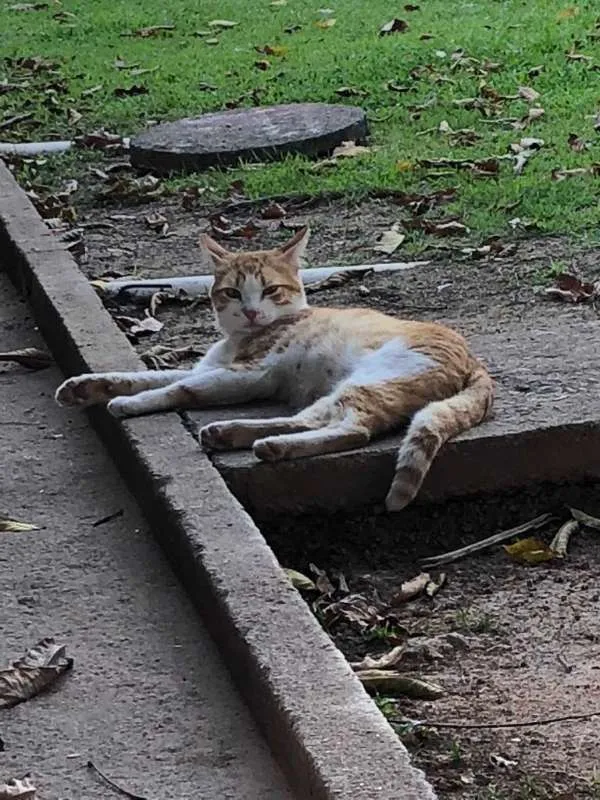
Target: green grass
520, 34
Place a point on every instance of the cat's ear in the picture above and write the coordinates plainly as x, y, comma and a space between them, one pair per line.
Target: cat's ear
216, 254
293, 251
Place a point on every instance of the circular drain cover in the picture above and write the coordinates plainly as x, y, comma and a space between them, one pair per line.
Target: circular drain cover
246, 134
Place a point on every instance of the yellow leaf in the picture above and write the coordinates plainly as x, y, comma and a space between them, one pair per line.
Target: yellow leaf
300, 581
529, 551
567, 13
13, 526
325, 23
404, 166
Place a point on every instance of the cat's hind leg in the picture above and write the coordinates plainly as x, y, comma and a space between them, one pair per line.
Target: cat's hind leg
94, 388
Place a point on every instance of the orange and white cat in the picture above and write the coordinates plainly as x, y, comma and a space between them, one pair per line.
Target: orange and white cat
353, 373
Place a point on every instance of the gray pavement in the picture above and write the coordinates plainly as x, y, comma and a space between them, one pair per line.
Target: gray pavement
149, 699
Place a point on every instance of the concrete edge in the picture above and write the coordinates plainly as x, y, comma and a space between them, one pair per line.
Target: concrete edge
326, 733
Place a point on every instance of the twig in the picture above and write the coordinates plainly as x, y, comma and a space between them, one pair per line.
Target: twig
33, 148
108, 518
502, 536
14, 120
114, 785
527, 724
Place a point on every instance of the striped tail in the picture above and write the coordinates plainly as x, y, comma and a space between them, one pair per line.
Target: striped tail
433, 425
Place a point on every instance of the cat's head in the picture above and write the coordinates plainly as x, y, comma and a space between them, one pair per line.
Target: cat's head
254, 289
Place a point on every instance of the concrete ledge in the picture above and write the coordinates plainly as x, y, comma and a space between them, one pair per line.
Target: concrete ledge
546, 427
326, 733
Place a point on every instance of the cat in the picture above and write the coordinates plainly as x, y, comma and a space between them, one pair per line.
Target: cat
354, 373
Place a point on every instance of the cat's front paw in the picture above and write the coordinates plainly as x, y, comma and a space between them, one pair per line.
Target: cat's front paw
270, 449
84, 390
226, 436
124, 407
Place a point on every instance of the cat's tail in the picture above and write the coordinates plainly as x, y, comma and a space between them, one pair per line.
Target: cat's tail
433, 425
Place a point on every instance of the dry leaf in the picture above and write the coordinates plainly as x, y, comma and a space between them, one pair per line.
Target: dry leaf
262, 64
324, 24
389, 682
349, 150
451, 227
138, 327
13, 526
567, 13
534, 113
573, 56
272, 50
323, 584
560, 542
390, 240
529, 551
524, 150
434, 586
148, 187
576, 144
36, 671
585, 519
535, 71
351, 91
17, 789
28, 7
130, 91
157, 222
100, 140
300, 581
500, 761
161, 357
273, 211
152, 30
222, 23
29, 357
355, 609
411, 7
529, 94
393, 26
385, 661
411, 589
571, 288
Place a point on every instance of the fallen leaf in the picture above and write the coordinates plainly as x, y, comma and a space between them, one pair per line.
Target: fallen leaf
562, 174
147, 187
73, 116
273, 211
222, 23
223, 229
29, 357
323, 584
529, 551
152, 30
354, 609
351, 91
157, 222
500, 761
206, 87
190, 196
535, 71
138, 327
393, 86
576, 144
393, 26
263, 64
524, 150
349, 150
130, 91
411, 7
573, 56
560, 542
36, 671
572, 289
17, 789
534, 113
434, 586
567, 13
389, 682
324, 24
451, 227
272, 50
100, 140
28, 7
161, 357
13, 526
390, 240
411, 589
529, 94
386, 661
585, 519
300, 581
92, 90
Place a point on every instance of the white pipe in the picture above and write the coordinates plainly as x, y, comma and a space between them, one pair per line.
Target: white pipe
198, 285
33, 148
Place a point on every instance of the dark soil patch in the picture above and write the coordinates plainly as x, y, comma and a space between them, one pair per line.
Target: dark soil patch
474, 295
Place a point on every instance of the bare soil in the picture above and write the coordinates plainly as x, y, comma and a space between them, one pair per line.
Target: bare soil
532, 639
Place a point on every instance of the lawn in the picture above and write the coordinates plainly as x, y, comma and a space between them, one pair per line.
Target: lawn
463, 80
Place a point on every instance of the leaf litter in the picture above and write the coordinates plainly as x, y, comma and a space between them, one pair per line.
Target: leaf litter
16, 789
35, 672
571, 289
30, 357
14, 526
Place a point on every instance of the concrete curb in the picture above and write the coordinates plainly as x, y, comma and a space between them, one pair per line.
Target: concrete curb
324, 730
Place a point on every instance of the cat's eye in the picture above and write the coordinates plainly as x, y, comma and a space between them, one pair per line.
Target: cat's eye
269, 290
234, 294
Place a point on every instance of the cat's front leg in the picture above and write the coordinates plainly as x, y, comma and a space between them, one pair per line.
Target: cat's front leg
218, 387
91, 389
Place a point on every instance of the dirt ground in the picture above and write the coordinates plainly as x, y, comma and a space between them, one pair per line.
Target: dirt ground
531, 643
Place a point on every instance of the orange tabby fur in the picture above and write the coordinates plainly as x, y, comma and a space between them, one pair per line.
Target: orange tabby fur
354, 373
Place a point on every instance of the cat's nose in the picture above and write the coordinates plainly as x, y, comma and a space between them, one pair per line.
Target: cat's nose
250, 313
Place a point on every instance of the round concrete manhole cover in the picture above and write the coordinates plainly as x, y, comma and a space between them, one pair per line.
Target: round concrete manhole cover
250, 134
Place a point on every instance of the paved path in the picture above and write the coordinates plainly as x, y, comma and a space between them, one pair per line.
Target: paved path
149, 699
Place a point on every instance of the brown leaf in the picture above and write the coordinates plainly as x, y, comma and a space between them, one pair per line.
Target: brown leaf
130, 91
146, 187
157, 222
323, 584
389, 682
100, 140
17, 789
223, 229
576, 144
529, 94
152, 30
355, 610
29, 357
388, 660
393, 26
572, 289
529, 551
190, 196
534, 113
36, 671
272, 50
450, 227
411, 589
273, 211
390, 240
